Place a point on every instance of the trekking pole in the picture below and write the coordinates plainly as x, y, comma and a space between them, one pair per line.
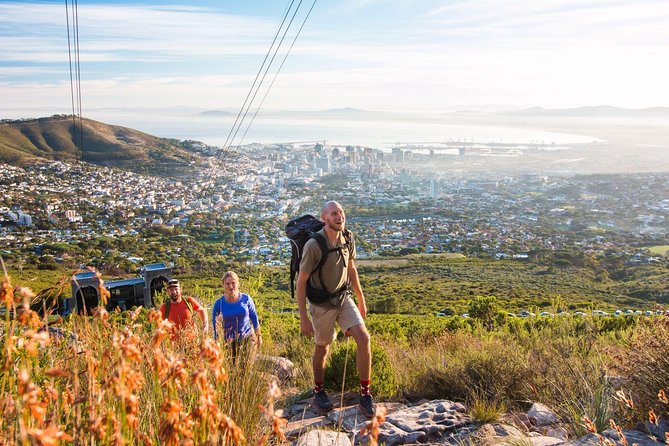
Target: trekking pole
343, 385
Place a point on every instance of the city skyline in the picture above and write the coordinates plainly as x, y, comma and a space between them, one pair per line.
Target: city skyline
422, 56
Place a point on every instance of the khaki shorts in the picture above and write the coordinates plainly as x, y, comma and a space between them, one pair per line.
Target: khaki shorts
323, 319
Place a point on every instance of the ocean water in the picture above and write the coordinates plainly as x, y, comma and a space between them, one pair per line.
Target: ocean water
377, 133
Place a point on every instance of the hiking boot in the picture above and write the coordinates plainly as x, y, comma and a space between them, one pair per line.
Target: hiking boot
367, 406
322, 401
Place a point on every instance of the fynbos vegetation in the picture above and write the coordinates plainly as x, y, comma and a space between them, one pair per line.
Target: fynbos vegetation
121, 378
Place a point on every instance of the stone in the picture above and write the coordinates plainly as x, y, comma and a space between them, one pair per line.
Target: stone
657, 430
483, 435
433, 417
282, 368
543, 440
632, 436
298, 427
391, 435
506, 430
518, 419
588, 440
323, 438
540, 415
350, 418
557, 432
496, 434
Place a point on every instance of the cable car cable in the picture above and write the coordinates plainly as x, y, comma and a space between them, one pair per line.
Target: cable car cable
276, 35
266, 70
277, 72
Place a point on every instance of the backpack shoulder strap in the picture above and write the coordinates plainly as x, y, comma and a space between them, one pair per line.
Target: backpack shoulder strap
189, 304
325, 249
348, 236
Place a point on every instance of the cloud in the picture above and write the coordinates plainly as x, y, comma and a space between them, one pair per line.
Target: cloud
113, 32
395, 55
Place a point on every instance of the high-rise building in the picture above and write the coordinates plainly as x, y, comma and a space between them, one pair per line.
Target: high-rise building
398, 155
323, 162
434, 188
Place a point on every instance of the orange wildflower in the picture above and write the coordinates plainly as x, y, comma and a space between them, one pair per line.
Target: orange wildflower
51, 436
7, 292
372, 426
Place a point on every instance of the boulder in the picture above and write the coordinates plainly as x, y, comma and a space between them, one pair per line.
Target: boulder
540, 415
323, 438
350, 419
632, 436
282, 368
542, 440
657, 430
495, 434
518, 419
507, 430
434, 417
483, 435
390, 435
557, 432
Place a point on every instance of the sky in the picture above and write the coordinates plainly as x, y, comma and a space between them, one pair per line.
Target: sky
384, 55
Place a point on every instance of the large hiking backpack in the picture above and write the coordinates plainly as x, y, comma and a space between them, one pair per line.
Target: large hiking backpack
299, 231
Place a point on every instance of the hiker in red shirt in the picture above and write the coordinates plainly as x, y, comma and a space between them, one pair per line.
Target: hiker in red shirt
179, 309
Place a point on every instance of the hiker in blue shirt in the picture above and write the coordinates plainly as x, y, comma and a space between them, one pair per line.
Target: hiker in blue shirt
235, 313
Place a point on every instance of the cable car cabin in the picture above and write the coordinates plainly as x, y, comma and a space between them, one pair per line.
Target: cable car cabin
124, 294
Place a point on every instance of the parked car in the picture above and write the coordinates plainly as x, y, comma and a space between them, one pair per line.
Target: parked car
579, 313
441, 314
618, 313
628, 312
525, 313
599, 313
545, 313
465, 315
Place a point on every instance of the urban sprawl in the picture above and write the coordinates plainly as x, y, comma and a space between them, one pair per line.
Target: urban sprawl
399, 202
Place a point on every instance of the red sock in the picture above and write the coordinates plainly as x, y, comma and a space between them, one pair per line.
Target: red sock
318, 386
364, 387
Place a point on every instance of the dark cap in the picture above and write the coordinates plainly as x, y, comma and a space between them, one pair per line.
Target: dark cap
172, 282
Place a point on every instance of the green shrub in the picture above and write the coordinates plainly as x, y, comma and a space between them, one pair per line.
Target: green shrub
643, 367
342, 355
492, 366
485, 410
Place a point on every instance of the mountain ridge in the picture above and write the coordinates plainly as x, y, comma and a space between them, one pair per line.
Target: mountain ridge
60, 138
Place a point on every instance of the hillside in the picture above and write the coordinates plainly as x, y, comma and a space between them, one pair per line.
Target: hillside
56, 138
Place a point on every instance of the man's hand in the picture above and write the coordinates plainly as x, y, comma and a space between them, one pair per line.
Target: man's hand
362, 307
306, 327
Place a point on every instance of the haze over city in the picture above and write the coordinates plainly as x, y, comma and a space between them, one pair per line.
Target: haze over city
183, 69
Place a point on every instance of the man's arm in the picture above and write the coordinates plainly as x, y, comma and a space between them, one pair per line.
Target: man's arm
199, 309
355, 284
306, 328
203, 316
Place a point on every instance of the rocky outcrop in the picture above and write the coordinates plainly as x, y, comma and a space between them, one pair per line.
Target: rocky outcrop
443, 422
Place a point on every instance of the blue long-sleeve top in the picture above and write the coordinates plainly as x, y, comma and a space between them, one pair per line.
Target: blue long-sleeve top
239, 318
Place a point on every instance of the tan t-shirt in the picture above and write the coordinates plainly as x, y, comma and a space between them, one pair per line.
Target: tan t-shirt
334, 272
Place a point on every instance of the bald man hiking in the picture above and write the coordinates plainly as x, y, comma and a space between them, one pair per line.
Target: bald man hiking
329, 291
